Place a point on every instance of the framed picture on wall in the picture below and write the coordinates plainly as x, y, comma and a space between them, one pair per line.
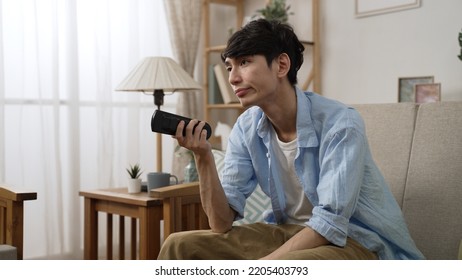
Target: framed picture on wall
364, 8
406, 87
427, 93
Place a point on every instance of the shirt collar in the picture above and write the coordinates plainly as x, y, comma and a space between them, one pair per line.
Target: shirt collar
306, 133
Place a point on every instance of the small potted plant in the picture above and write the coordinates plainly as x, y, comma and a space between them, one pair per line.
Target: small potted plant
134, 182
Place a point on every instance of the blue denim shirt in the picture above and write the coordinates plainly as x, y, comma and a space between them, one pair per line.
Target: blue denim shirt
349, 195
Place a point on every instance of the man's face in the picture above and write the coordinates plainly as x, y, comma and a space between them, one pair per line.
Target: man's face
252, 80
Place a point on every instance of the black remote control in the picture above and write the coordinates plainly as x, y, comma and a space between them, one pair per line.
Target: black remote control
166, 123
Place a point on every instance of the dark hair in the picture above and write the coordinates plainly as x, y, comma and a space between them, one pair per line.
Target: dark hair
270, 39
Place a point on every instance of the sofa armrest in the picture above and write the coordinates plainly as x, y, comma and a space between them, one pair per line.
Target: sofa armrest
186, 189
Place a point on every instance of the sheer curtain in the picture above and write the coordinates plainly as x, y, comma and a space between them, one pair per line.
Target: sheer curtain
63, 127
184, 20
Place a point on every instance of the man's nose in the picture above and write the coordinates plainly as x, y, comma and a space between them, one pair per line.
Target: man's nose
234, 76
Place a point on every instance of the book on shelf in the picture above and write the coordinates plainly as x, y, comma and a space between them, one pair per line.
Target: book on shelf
225, 88
214, 94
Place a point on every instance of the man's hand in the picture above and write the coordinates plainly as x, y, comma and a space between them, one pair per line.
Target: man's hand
195, 138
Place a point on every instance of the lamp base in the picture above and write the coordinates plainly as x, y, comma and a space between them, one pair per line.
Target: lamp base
159, 101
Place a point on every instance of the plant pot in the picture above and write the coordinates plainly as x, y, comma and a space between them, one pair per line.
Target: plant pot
134, 185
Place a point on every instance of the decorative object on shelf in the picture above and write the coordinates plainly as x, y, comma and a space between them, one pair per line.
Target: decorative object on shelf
460, 44
364, 8
157, 75
275, 10
426, 93
227, 92
406, 87
214, 94
134, 182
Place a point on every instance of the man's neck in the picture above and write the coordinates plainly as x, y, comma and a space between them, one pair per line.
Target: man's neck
284, 115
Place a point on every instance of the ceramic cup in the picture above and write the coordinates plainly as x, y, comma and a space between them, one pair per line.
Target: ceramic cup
160, 179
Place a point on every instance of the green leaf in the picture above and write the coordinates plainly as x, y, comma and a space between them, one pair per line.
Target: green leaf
134, 171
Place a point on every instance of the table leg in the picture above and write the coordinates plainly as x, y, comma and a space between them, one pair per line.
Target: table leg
150, 218
90, 251
121, 237
168, 213
133, 239
109, 236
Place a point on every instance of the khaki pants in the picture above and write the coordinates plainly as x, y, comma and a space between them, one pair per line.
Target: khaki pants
250, 242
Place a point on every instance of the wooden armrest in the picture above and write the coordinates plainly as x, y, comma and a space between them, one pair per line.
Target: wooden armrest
12, 217
9, 194
176, 190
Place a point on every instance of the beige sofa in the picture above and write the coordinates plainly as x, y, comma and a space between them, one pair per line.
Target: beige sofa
418, 148
419, 151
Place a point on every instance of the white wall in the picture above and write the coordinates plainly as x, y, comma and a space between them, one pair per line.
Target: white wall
362, 58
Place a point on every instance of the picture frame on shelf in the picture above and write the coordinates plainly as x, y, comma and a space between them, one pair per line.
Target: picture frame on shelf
406, 87
427, 93
364, 8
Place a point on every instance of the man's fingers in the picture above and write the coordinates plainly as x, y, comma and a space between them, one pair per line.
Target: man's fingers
179, 130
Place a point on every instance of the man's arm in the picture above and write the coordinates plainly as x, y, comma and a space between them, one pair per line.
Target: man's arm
213, 198
307, 238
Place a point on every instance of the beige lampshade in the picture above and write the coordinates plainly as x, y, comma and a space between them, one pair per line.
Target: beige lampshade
158, 73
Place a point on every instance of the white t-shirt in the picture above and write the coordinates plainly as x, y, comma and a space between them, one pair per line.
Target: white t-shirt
298, 207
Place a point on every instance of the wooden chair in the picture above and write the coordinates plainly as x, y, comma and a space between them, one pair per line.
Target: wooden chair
12, 217
182, 208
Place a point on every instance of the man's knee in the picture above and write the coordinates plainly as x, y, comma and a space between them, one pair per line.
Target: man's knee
352, 251
185, 245
173, 246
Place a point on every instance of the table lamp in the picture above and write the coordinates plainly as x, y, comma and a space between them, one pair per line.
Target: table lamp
157, 75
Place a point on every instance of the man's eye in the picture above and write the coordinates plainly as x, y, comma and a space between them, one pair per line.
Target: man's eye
244, 62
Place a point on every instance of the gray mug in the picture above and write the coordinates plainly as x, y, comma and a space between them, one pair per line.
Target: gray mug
160, 179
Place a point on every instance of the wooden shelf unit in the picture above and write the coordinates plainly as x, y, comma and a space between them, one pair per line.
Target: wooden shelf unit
209, 49
313, 79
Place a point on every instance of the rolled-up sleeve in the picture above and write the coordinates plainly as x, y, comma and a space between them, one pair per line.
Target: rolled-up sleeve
341, 174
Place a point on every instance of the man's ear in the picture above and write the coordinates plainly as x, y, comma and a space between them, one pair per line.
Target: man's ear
283, 65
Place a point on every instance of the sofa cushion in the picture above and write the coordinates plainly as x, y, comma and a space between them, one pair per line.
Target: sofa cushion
255, 205
432, 203
389, 129
8, 252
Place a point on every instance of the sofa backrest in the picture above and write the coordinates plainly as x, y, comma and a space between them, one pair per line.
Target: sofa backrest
432, 203
389, 129
418, 148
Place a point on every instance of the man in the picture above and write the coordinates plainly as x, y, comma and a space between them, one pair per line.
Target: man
309, 154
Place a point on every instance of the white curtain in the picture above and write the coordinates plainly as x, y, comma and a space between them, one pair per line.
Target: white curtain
63, 127
184, 20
